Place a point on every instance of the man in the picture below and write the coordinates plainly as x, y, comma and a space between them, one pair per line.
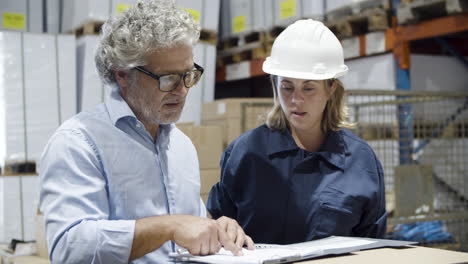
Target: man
120, 183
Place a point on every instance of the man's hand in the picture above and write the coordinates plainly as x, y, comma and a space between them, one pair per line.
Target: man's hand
235, 232
202, 236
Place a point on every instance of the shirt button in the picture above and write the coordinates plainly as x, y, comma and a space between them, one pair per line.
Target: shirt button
138, 125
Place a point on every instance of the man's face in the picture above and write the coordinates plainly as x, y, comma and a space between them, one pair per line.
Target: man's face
144, 96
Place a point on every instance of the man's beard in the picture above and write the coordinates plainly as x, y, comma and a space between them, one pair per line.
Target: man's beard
144, 109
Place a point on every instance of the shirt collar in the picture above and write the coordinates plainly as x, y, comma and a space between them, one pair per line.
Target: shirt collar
118, 108
333, 149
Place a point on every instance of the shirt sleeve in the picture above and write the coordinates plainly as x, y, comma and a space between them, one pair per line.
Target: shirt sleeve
374, 222
75, 204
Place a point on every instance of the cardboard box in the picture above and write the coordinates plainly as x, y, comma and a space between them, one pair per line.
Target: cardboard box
208, 142
41, 242
25, 260
208, 178
236, 115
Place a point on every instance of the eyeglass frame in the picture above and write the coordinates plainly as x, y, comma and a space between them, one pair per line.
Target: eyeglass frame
182, 75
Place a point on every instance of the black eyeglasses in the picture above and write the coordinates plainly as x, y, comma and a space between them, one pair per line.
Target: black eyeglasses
168, 82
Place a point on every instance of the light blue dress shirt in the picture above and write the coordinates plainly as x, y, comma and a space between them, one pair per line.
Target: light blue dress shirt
101, 171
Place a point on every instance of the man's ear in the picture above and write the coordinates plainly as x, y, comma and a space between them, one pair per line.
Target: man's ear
121, 77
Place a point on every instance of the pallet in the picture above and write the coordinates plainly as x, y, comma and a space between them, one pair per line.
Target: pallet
248, 52
244, 39
371, 20
420, 10
18, 168
209, 36
356, 9
89, 28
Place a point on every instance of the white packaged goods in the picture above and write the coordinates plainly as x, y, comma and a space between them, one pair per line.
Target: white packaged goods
209, 76
205, 12
52, 14
351, 47
286, 12
312, 9
76, 13
375, 42
193, 101
371, 73
12, 125
21, 15
90, 88
240, 14
450, 77
18, 207
38, 91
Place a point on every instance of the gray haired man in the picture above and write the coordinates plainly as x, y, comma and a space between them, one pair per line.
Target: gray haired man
120, 183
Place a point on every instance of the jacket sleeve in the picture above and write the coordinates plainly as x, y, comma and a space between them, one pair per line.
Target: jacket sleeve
219, 201
374, 221
74, 200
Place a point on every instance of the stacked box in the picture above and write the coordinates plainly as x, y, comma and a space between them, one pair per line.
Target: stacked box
288, 11
18, 207
208, 142
236, 115
244, 16
39, 91
90, 90
206, 12
22, 15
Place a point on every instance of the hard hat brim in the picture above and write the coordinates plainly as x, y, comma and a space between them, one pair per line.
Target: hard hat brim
271, 69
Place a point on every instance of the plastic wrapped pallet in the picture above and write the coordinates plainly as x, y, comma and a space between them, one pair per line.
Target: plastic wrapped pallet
313, 9
90, 89
18, 207
39, 91
22, 15
244, 16
286, 12
12, 118
76, 13
52, 16
206, 12
193, 102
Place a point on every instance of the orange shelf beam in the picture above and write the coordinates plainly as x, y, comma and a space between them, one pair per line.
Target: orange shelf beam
433, 28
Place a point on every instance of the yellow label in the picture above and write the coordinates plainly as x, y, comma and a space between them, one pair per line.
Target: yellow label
13, 20
195, 14
287, 9
122, 7
238, 24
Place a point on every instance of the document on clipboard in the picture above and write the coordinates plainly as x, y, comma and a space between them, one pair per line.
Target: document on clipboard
274, 254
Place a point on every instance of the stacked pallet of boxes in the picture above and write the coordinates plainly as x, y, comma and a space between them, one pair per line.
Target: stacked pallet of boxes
37, 94
209, 145
249, 27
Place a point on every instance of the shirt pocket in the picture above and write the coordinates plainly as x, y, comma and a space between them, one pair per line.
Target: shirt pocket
338, 214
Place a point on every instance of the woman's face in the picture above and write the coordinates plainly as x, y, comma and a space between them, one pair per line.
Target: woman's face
303, 102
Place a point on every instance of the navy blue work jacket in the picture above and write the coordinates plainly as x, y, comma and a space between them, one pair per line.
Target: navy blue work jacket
281, 194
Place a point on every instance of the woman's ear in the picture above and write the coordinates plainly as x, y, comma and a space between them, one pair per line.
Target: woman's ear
331, 87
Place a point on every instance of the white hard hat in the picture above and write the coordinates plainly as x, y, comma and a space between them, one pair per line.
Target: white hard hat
307, 50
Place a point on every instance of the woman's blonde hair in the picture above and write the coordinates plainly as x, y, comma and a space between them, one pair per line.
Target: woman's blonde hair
334, 116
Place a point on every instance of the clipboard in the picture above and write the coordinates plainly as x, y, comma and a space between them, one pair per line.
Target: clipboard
278, 254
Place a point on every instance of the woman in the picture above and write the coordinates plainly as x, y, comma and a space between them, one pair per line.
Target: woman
302, 175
